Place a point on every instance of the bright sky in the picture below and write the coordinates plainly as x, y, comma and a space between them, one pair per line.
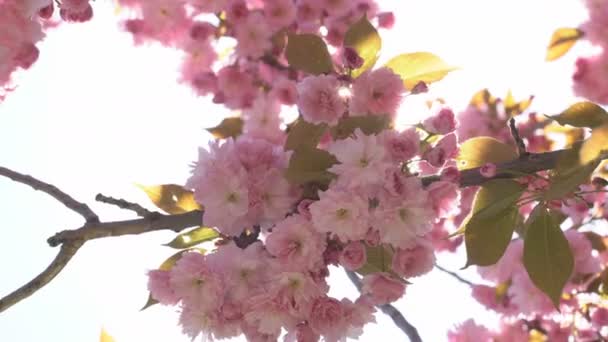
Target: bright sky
96, 114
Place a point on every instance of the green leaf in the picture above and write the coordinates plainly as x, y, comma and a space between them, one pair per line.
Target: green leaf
476, 152
419, 66
171, 198
105, 337
595, 146
379, 259
364, 38
582, 114
568, 175
562, 41
308, 52
489, 228
193, 238
303, 133
167, 265
308, 164
228, 128
369, 124
547, 255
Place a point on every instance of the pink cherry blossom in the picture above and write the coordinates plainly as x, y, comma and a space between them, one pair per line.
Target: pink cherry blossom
401, 146
160, 288
193, 281
353, 256
590, 78
341, 213
296, 244
377, 92
584, 261
262, 120
327, 318
441, 123
444, 150
415, 261
468, 331
253, 36
488, 170
279, 13
361, 160
319, 101
382, 288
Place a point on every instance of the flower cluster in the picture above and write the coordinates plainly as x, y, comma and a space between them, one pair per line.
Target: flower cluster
590, 76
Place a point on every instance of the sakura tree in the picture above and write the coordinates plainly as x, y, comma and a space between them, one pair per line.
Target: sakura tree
273, 201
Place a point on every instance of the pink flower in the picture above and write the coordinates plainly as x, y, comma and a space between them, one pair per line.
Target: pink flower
414, 262
377, 92
236, 87
295, 244
488, 170
160, 288
262, 119
284, 91
469, 332
327, 318
599, 318
444, 196
450, 174
208, 6
590, 79
253, 36
527, 297
302, 333
386, 20
401, 146
444, 150
362, 160
341, 213
584, 261
195, 283
279, 13
487, 296
402, 219
353, 256
382, 288
441, 123
319, 101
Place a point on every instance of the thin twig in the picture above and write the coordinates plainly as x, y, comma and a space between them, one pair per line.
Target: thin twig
52, 191
123, 204
391, 311
176, 223
521, 147
455, 275
66, 253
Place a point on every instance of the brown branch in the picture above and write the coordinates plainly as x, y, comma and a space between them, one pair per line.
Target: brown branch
521, 146
52, 191
391, 311
123, 204
526, 164
66, 253
454, 275
176, 223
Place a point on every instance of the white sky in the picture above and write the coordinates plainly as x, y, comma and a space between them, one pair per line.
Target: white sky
96, 114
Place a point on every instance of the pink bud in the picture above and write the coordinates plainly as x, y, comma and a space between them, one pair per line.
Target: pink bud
420, 88
599, 318
386, 20
46, 12
443, 122
353, 256
304, 208
205, 83
352, 60
134, 26
201, 31
488, 170
382, 288
27, 55
450, 174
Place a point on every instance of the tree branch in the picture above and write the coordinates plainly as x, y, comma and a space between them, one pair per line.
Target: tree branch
525, 164
123, 204
391, 311
66, 253
454, 275
52, 191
